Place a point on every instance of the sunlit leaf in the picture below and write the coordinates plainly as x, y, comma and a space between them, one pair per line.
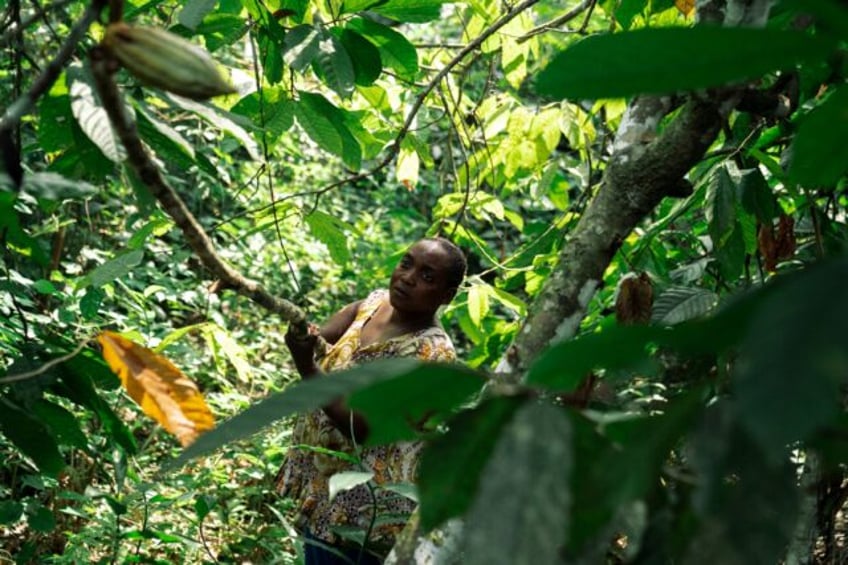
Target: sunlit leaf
113, 269
162, 391
407, 166
194, 11
347, 480
301, 46
91, 116
332, 233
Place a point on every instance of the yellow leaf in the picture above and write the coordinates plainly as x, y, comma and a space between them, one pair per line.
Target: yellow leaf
162, 391
686, 7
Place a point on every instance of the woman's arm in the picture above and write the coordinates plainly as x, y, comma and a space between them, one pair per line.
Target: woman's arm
349, 423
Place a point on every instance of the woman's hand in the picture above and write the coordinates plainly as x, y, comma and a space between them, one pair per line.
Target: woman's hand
302, 349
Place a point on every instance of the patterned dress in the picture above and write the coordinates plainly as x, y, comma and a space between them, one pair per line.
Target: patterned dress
305, 474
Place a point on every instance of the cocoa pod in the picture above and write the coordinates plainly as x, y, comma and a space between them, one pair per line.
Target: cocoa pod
161, 59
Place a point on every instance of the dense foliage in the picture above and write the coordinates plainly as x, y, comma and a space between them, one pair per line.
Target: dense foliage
688, 406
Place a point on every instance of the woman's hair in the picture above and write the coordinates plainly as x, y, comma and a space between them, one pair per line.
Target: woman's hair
458, 264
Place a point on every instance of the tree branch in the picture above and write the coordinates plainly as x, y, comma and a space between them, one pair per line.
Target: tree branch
102, 69
24, 104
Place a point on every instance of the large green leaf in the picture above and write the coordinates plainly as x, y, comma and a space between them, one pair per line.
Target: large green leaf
331, 232
301, 45
527, 480
222, 120
167, 143
325, 124
747, 506
820, 149
91, 116
451, 464
394, 409
721, 206
409, 10
194, 11
302, 397
62, 424
396, 52
335, 65
220, 30
30, 436
112, 269
272, 109
663, 60
367, 64
757, 197
51, 186
794, 361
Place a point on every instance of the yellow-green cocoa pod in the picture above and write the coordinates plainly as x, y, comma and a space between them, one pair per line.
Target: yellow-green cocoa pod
159, 58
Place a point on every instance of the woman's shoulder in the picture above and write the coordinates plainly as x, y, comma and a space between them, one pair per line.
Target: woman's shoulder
434, 344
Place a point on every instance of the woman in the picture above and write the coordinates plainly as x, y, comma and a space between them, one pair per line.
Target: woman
398, 322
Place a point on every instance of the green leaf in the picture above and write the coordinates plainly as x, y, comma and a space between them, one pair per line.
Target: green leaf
222, 30
90, 114
40, 519
300, 47
272, 109
221, 120
533, 457
627, 10
272, 60
664, 60
721, 206
756, 196
335, 65
447, 491
51, 186
194, 11
820, 149
681, 303
396, 52
31, 437
478, 303
113, 269
62, 424
76, 376
784, 394
742, 520
365, 57
331, 232
395, 409
414, 11
324, 123
10, 511
347, 480
90, 302
302, 397
169, 145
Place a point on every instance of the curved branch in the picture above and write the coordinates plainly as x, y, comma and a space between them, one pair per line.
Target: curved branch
102, 68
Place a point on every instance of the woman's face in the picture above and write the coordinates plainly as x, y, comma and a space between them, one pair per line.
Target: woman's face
419, 283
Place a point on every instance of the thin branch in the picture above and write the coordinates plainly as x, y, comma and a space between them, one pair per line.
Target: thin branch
102, 68
394, 148
17, 28
24, 104
557, 22
44, 368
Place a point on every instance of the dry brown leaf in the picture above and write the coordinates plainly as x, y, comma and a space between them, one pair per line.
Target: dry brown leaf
785, 237
767, 246
686, 7
162, 391
635, 300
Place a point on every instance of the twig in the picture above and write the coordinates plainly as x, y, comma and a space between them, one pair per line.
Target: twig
102, 69
44, 368
556, 22
17, 28
394, 148
24, 104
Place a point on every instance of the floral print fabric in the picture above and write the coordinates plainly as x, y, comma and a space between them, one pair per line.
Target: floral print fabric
305, 474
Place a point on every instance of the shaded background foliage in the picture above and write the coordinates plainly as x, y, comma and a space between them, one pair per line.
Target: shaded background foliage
711, 429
